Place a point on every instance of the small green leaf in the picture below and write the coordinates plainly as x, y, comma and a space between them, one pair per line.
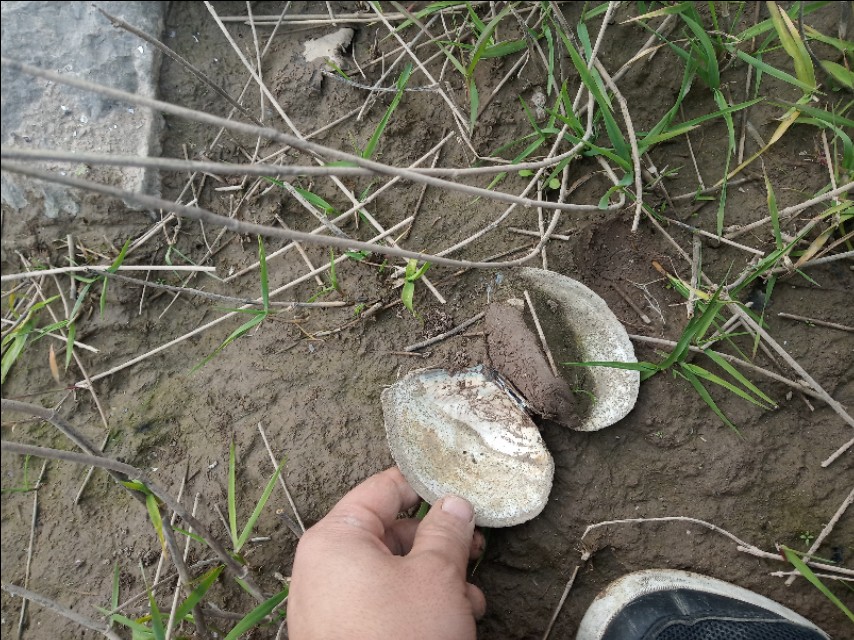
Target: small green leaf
250, 525
807, 573
256, 616
196, 596
232, 495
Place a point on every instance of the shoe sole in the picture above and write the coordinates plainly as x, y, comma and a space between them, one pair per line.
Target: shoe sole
628, 588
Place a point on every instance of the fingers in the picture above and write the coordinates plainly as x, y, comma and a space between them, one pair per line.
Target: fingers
401, 534
447, 531
373, 505
477, 599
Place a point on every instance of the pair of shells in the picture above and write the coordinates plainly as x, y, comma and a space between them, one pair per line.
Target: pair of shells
469, 434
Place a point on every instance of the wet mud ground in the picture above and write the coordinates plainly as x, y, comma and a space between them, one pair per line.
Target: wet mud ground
319, 398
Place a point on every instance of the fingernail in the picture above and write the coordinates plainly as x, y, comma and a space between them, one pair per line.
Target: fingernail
458, 507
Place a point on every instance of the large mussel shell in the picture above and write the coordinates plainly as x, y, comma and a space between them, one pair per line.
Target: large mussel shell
465, 434
583, 320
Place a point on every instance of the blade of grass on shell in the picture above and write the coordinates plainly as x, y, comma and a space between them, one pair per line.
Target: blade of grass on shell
378, 132
646, 369
256, 616
232, 495
250, 525
807, 573
704, 394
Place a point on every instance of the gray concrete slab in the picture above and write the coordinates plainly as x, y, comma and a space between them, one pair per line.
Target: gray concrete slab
74, 38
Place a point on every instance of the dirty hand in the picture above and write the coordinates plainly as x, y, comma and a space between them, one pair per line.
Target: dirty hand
361, 573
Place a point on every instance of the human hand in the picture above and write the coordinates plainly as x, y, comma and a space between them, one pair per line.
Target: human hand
361, 573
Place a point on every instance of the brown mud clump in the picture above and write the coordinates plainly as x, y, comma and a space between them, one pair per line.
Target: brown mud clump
515, 352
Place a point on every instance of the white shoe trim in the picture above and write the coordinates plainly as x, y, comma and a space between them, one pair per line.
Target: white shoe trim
634, 585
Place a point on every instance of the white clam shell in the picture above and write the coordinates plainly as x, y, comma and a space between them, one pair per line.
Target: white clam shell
598, 336
462, 434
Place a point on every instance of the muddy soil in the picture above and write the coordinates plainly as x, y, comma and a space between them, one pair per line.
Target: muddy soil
318, 396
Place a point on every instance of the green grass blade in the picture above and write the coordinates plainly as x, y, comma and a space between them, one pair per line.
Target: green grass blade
156, 519
138, 629
704, 394
773, 71
775, 214
241, 330
793, 45
485, 39
474, 99
69, 343
198, 593
807, 573
81, 298
316, 200
158, 630
505, 48
720, 100
708, 68
232, 495
378, 132
705, 374
768, 25
256, 616
735, 373
250, 525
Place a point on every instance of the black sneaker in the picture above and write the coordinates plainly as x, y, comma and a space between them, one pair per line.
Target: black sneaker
664, 604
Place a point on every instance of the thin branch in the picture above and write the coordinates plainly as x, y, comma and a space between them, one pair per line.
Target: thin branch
62, 610
542, 336
560, 603
101, 267
442, 336
741, 544
819, 323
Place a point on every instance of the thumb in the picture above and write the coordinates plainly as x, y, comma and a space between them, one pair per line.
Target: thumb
447, 530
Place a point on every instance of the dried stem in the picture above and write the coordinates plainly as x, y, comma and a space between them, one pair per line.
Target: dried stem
57, 608
542, 336
820, 323
282, 482
741, 544
443, 336
560, 603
